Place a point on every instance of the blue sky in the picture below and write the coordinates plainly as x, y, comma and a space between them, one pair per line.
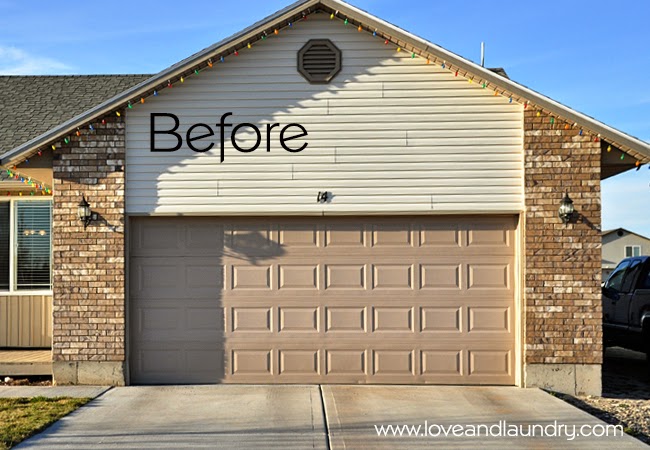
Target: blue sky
593, 56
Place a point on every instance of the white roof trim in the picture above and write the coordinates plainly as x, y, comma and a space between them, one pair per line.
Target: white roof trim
552, 106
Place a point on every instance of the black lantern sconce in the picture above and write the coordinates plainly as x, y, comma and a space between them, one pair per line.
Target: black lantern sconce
566, 210
84, 212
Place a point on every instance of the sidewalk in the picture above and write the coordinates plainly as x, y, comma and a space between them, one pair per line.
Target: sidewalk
52, 391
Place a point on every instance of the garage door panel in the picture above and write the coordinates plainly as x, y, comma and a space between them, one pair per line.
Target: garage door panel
293, 236
299, 319
175, 278
178, 324
245, 320
392, 276
393, 235
440, 319
177, 365
351, 236
175, 237
298, 276
250, 277
323, 300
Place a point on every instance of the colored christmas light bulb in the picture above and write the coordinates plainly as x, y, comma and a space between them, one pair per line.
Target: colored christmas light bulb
413, 55
66, 140
374, 33
210, 62
78, 133
40, 153
236, 53
580, 132
222, 59
552, 120
249, 45
117, 113
386, 42
155, 93
346, 21
539, 113
169, 83
182, 80
90, 126
276, 31
510, 100
609, 148
129, 105
141, 99
359, 29
331, 16
53, 147
196, 71
399, 49
622, 156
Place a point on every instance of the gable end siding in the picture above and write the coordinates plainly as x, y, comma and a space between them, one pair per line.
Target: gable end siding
390, 134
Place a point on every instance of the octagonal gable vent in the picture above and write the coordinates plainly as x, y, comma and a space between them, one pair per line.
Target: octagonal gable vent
319, 60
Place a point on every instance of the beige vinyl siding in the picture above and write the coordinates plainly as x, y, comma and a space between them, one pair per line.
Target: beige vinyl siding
26, 321
390, 134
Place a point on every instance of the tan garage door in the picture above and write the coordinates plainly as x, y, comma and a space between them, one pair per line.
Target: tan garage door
322, 300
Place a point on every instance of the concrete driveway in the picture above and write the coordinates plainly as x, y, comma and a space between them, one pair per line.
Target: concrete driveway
297, 417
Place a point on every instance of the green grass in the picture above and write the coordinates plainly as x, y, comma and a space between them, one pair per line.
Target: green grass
21, 418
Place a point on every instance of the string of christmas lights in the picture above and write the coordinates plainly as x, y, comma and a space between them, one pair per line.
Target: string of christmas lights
36, 186
209, 63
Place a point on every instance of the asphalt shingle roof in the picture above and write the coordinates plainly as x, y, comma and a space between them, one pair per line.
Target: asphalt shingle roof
32, 105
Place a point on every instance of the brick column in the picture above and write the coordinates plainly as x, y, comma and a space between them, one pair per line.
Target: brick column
563, 329
89, 267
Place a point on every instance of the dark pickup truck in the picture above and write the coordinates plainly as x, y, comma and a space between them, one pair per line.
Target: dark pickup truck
626, 305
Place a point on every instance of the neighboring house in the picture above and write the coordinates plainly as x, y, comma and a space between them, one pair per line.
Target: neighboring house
619, 244
435, 256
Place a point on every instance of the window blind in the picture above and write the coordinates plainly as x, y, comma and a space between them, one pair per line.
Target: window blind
4, 246
33, 244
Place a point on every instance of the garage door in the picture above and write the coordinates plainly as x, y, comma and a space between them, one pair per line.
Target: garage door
322, 300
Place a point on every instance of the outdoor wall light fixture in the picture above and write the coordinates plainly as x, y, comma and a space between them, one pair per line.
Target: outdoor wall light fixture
84, 212
566, 209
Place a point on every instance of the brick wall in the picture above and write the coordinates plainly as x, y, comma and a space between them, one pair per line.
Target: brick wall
562, 262
88, 275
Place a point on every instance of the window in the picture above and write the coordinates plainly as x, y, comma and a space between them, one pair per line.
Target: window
615, 280
4, 246
25, 245
631, 276
632, 250
646, 282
